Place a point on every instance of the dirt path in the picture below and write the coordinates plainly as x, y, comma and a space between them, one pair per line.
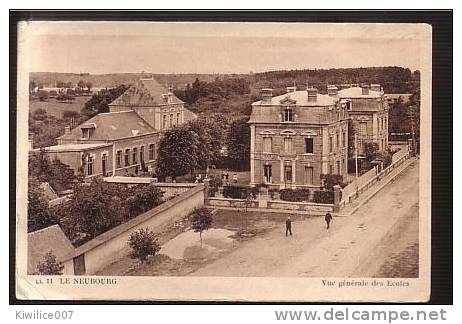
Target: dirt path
315, 252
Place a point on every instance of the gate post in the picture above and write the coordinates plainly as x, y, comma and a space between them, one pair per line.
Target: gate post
337, 197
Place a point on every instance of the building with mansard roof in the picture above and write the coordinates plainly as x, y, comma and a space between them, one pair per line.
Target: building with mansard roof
368, 112
123, 141
296, 137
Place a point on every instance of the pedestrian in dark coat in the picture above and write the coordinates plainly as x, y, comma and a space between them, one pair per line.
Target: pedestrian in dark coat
328, 219
288, 226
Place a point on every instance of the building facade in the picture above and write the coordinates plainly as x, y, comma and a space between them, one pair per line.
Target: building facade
123, 141
368, 112
296, 137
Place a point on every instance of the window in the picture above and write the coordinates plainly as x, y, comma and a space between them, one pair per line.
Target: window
338, 167
288, 173
152, 152
287, 145
331, 145
164, 121
309, 145
142, 154
362, 129
119, 159
104, 164
344, 139
178, 115
308, 175
267, 143
288, 115
267, 173
127, 157
90, 165
331, 169
171, 120
135, 155
337, 140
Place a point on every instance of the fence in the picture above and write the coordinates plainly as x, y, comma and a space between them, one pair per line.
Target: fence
349, 194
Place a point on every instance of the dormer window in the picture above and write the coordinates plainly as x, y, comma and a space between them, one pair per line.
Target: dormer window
87, 130
288, 114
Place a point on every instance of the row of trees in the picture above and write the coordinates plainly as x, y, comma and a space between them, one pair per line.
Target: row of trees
198, 144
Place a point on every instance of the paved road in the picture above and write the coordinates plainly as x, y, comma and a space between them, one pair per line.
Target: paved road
341, 251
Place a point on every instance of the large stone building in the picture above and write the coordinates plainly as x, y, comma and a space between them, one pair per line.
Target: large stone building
124, 140
296, 137
368, 112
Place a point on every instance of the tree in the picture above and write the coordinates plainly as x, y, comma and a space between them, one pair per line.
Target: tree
177, 153
38, 213
239, 143
201, 220
99, 102
50, 265
60, 176
93, 209
142, 198
143, 244
89, 85
81, 84
32, 86
42, 95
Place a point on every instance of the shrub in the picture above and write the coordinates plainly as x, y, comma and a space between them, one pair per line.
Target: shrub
143, 244
272, 193
239, 192
295, 195
330, 180
49, 265
215, 183
201, 220
323, 197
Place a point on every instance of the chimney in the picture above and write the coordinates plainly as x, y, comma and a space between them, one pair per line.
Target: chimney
332, 90
291, 89
312, 94
266, 95
67, 129
365, 89
375, 87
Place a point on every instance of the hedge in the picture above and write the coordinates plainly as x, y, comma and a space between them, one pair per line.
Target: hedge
324, 197
239, 192
295, 195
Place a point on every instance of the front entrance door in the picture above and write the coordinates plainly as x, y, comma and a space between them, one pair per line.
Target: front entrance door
288, 173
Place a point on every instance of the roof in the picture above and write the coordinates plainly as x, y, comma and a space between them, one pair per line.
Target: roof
73, 147
146, 92
300, 98
357, 93
113, 125
48, 239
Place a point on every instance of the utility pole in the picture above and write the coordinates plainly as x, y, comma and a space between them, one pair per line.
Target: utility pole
356, 154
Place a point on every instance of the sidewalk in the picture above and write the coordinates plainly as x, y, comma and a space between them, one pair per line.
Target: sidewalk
366, 196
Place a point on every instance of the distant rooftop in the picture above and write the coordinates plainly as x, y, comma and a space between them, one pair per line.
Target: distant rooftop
357, 92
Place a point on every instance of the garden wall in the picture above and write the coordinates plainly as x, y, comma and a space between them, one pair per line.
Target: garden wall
112, 245
284, 206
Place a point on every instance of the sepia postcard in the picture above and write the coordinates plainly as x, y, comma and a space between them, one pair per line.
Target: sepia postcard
231, 162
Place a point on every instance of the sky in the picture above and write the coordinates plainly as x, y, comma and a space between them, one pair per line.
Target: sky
115, 47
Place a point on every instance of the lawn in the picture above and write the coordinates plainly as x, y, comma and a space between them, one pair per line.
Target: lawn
54, 108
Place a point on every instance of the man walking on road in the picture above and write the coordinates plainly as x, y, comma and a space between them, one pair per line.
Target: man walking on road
288, 226
328, 219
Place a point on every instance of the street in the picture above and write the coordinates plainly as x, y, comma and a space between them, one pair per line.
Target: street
358, 245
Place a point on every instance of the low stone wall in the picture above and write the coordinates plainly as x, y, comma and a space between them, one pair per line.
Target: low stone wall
230, 202
173, 189
112, 245
301, 206
271, 204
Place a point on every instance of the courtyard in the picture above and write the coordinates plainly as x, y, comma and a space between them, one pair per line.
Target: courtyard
378, 240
